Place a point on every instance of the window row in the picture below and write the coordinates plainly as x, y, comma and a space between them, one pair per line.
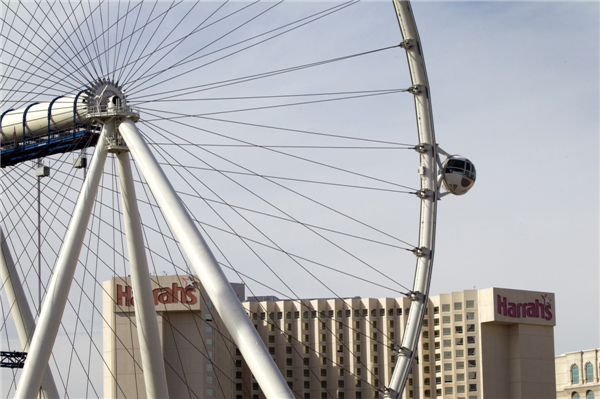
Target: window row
470, 304
329, 314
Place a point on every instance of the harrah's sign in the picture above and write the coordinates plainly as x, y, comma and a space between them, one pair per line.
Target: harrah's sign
164, 295
535, 310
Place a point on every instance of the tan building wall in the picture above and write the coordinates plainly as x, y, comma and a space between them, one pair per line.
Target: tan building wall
577, 373
197, 357
474, 344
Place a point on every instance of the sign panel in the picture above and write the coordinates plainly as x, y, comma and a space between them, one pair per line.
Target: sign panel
516, 306
170, 293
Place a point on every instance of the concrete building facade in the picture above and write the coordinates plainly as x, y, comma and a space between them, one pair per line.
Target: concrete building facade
577, 375
492, 343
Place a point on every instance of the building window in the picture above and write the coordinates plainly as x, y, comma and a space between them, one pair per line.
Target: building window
427, 393
271, 339
438, 380
306, 373
447, 343
447, 366
398, 311
472, 363
436, 333
457, 318
291, 385
574, 374
339, 324
470, 340
210, 392
348, 313
306, 338
296, 315
288, 315
458, 341
470, 304
460, 389
381, 312
425, 323
305, 315
238, 387
426, 346
448, 378
340, 383
209, 329
279, 315
271, 327
447, 331
457, 305
472, 387
470, 315
306, 361
288, 326
288, 350
460, 365
323, 360
472, 375
575, 395
589, 372
470, 327
306, 384
306, 395
460, 377
437, 357
448, 391
324, 384
365, 312
446, 307
324, 395
323, 372
447, 355
305, 349
458, 329
471, 351
436, 322
446, 319
425, 334
460, 353
209, 342
426, 370
323, 337
288, 361
209, 367
589, 395
425, 358
271, 350
436, 310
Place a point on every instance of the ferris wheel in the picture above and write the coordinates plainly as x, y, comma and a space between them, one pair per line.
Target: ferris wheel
226, 141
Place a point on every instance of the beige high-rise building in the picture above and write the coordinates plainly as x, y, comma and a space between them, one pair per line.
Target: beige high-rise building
491, 343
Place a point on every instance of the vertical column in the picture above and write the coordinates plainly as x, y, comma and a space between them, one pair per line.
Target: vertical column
56, 298
145, 312
204, 263
20, 311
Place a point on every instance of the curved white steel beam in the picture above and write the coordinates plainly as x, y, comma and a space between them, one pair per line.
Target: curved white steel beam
428, 195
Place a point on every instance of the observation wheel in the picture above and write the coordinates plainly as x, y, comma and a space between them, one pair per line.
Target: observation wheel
217, 143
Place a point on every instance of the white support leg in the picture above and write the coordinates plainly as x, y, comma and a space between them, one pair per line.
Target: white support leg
145, 312
56, 298
204, 263
21, 312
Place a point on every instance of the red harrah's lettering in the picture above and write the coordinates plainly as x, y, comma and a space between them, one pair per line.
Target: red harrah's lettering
535, 309
175, 294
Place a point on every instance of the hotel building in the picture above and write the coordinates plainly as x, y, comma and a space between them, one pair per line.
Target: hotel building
491, 343
577, 375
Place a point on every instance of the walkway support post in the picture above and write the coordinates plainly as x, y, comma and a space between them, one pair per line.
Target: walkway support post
56, 297
213, 279
21, 313
153, 364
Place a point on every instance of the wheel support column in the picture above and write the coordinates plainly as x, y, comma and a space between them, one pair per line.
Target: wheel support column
21, 313
56, 298
145, 311
213, 279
